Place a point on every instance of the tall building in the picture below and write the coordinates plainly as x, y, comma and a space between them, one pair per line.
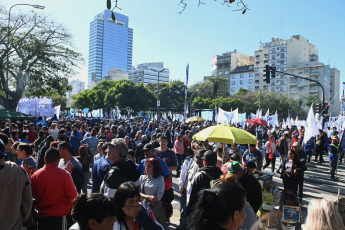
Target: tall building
148, 73
77, 87
242, 77
282, 54
223, 64
110, 46
328, 77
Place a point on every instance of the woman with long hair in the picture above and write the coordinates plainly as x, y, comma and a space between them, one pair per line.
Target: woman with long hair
24, 152
222, 208
94, 212
130, 213
86, 162
323, 215
151, 187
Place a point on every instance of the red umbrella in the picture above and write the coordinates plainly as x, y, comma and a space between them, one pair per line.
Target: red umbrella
257, 121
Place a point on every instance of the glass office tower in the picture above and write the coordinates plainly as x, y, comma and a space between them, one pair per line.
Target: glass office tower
110, 45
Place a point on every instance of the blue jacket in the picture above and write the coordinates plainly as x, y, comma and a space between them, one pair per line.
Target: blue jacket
75, 138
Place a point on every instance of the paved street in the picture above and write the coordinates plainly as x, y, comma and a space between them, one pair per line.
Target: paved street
317, 185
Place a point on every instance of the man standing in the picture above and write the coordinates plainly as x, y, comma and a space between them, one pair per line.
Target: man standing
32, 133
100, 169
203, 178
54, 192
170, 159
15, 193
71, 164
333, 151
122, 170
149, 153
283, 149
252, 154
75, 139
54, 131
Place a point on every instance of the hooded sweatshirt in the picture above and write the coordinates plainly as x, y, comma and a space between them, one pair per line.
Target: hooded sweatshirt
15, 196
120, 172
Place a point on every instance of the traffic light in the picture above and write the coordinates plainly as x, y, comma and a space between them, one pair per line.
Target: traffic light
267, 78
317, 109
325, 108
273, 72
300, 103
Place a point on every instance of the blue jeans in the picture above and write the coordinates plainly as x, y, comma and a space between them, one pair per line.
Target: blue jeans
309, 154
282, 158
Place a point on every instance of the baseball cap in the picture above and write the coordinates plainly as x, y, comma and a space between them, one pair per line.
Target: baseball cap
234, 167
209, 156
148, 147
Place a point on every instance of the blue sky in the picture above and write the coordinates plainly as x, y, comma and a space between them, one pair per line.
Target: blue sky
199, 33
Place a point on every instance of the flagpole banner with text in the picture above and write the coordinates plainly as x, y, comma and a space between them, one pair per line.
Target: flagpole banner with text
36, 106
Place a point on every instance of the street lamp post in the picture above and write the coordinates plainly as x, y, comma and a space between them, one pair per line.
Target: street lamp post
8, 36
158, 102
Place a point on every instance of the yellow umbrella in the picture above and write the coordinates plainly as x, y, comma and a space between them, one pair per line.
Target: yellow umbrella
225, 134
191, 119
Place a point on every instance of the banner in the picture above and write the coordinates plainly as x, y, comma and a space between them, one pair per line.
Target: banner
311, 129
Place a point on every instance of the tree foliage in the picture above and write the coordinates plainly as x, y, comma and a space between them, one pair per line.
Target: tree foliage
213, 87
41, 57
171, 95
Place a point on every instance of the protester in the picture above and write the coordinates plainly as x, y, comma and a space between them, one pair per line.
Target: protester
24, 153
71, 164
100, 168
322, 214
86, 161
221, 208
151, 186
333, 151
129, 212
95, 212
53, 196
74, 140
91, 142
121, 170
202, 179
270, 153
15, 193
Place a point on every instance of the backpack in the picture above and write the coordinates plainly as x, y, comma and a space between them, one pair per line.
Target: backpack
213, 182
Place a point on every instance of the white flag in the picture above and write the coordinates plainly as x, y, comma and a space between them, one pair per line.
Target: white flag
311, 129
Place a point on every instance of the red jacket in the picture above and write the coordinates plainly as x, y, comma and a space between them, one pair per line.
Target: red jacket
53, 190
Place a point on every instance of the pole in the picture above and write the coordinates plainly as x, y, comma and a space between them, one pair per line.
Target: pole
158, 102
259, 99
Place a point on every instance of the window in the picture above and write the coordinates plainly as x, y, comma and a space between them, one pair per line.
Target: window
233, 89
233, 83
256, 81
250, 88
282, 62
257, 69
250, 74
282, 55
257, 75
220, 73
250, 81
232, 76
241, 82
241, 75
226, 72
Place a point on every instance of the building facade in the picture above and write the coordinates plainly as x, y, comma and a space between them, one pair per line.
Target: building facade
282, 54
328, 77
148, 73
223, 64
242, 77
116, 74
110, 46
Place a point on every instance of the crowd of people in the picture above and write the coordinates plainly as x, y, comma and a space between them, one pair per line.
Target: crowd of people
114, 174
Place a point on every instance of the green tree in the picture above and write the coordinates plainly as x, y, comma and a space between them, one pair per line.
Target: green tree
171, 94
59, 100
207, 88
41, 57
126, 95
83, 100
312, 99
